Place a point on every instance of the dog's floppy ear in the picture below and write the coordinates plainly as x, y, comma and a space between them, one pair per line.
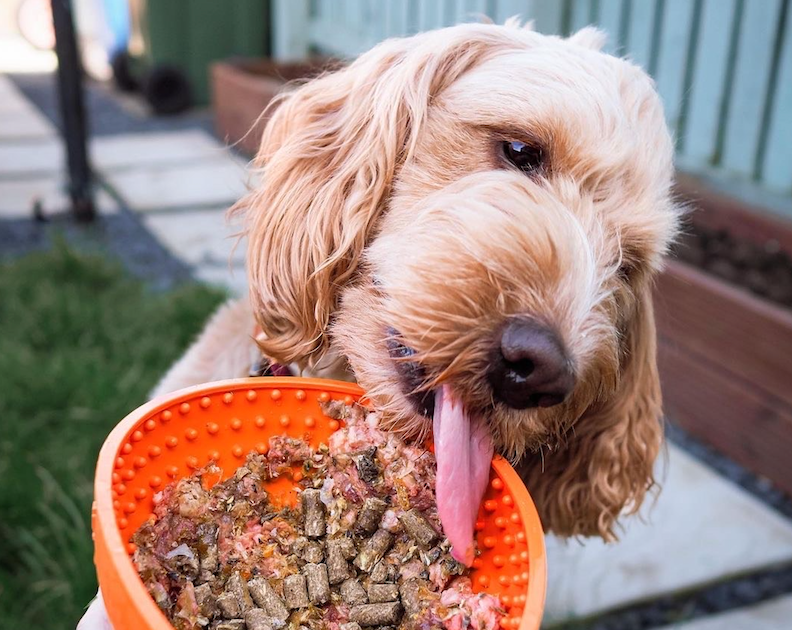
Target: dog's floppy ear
607, 465
589, 37
328, 157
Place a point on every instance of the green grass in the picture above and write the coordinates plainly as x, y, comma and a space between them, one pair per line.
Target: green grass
81, 343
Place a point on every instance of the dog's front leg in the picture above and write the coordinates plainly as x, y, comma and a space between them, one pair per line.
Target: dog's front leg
224, 349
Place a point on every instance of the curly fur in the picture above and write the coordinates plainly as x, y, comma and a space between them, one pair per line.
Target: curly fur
385, 203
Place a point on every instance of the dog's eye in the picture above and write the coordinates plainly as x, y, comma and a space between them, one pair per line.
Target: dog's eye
527, 157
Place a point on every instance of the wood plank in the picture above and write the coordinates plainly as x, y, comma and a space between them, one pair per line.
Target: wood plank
378, 29
581, 14
470, 10
751, 79
337, 40
460, 11
712, 405
673, 56
728, 326
504, 9
396, 18
709, 81
354, 14
610, 15
476, 9
640, 31
430, 14
777, 165
336, 9
548, 16
289, 33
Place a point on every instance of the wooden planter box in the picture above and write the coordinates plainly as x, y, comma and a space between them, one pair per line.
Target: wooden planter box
242, 89
725, 354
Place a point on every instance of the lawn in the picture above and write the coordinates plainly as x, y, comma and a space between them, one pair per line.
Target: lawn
81, 343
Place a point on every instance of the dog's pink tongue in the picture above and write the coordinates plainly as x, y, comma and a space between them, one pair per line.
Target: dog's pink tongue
463, 448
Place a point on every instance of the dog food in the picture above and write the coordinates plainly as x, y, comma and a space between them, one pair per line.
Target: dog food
361, 549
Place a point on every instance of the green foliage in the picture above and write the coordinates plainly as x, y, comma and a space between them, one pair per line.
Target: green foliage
81, 344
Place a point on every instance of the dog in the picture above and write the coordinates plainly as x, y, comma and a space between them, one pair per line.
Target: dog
470, 219
467, 222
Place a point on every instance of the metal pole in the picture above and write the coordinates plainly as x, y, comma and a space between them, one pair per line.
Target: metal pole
73, 111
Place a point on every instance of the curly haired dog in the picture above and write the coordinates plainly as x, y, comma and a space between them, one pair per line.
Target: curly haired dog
467, 222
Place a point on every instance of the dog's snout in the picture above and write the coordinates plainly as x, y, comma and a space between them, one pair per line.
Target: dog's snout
530, 367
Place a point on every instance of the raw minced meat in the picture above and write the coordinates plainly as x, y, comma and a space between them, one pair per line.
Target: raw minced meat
362, 547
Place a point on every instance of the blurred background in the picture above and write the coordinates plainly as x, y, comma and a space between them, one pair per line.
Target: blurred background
121, 150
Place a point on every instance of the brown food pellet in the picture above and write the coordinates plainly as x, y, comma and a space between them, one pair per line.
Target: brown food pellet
382, 572
353, 593
370, 516
347, 547
373, 550
266, 597
207, 603
318, 583
295, 591
230, 624
418, 527
413, 594
376, 614
313, 513
383, 593
313, 552
228, 605
257, 619
337, 565
237, 586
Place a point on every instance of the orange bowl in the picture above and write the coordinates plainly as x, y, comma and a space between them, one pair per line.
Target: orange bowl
171, 436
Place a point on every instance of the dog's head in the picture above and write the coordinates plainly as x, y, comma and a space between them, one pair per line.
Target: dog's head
480, 210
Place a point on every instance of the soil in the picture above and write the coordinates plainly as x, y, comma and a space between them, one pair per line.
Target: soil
763, 269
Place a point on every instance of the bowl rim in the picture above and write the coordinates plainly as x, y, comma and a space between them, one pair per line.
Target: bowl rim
110, 550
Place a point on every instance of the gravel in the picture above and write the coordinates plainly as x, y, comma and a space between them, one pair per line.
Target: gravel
119, 235
108, 112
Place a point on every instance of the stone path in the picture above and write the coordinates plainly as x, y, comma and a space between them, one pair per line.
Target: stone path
703, 529
181, 184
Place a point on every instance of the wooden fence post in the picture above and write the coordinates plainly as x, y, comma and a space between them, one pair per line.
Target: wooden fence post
290, 29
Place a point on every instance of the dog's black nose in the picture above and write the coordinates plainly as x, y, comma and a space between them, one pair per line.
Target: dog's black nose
530, 367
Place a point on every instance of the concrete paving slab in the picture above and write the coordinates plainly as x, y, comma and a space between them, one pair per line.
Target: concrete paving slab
147, 149
18, 196
702, 529
11, 99
24, 122
201, 237
207, 183
31, 157
775, 614
46, 155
